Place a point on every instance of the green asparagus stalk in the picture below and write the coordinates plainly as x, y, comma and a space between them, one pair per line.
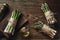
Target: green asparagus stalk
15, 14
45, 8
39, 25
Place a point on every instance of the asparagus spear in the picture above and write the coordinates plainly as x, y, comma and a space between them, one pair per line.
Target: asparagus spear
44, 7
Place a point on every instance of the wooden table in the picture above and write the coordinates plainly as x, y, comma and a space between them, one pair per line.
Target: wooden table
32, 8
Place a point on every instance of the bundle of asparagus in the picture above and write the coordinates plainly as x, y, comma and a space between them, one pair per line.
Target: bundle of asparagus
25, 32
10, 28
48, 14
45, 29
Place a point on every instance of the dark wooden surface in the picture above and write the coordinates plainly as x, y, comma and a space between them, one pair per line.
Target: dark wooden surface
32, 8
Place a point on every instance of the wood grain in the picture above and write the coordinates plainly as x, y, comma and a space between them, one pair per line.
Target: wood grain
32, 7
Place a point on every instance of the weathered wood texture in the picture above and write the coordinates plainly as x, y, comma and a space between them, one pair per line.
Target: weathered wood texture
31, 7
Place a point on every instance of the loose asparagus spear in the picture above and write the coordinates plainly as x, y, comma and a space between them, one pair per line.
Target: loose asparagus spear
12, 22
48, 14
45, 29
